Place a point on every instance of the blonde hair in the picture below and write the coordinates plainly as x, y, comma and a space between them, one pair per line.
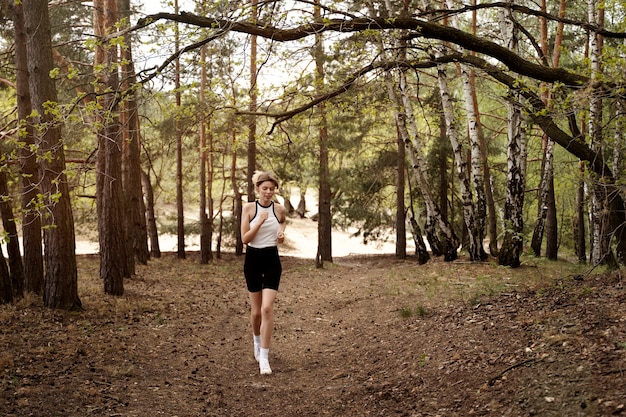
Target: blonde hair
260, 177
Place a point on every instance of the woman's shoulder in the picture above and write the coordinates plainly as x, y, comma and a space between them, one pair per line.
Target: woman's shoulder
279, 208
249, 206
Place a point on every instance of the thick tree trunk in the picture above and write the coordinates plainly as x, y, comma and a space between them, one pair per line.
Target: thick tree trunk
114, 257
61, 276
546, 210
29, 173
513, 242
135, 209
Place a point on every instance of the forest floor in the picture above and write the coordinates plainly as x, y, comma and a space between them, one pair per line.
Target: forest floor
367, 335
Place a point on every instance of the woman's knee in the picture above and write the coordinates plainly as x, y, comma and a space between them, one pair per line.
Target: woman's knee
267, 310
255, 314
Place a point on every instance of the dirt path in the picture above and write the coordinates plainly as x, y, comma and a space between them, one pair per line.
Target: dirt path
366, 336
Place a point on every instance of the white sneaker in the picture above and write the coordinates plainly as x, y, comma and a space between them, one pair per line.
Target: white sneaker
264, 367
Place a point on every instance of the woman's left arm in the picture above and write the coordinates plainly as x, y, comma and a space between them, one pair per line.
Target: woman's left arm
282, 223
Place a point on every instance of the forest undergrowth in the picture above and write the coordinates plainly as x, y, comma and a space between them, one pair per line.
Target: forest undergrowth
367, 335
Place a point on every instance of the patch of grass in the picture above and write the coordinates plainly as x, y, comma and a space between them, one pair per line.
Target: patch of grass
406, 312
419, 311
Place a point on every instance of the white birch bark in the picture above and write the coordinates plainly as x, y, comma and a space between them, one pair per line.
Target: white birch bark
516, 164
599, 208
475, 242
475, 213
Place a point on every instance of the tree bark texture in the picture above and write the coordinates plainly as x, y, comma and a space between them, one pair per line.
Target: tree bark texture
131, 166
206, 229
6, 289
29, 171
324, 225
512, 245
180, 205
151, 225
114, 266
253, 93
16, 268
61, 276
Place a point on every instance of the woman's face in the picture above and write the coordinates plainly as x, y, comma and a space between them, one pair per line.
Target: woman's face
266, 190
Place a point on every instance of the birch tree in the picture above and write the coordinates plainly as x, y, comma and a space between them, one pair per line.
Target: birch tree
471, 178
601, 187
512, 245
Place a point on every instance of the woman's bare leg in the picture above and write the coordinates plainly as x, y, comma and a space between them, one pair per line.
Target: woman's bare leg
267, 316
255, 320
267, 325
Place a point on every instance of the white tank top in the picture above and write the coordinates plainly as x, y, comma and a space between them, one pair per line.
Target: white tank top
266, 236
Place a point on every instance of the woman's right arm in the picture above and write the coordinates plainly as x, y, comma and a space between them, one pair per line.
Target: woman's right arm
248, 233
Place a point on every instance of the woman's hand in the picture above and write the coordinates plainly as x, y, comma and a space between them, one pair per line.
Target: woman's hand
280, 237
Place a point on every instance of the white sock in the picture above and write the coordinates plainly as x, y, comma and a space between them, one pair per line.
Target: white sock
257, 345
264, 363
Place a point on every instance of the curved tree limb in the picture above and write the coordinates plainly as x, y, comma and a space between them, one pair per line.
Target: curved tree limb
419, 28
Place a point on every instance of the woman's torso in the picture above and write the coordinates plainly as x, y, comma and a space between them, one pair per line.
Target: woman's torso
266, 236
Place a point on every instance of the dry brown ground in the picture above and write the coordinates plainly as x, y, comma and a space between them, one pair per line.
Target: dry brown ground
365, 336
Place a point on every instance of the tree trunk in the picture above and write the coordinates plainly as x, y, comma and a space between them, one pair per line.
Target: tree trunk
206, 231
16, 268
153, 233
324, 225
546, 216
252, 107
475, 232
180, 206
476, 228
513, 242
404, 117
61, 276
581, 204
618, 172
114, 257
29, 173
6, 289
237, 203
602, 189
135, 209
400, 206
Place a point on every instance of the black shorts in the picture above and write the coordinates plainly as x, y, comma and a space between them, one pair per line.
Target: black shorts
262, 268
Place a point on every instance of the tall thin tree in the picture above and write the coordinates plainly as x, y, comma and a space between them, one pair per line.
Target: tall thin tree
180, 202
324, 224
